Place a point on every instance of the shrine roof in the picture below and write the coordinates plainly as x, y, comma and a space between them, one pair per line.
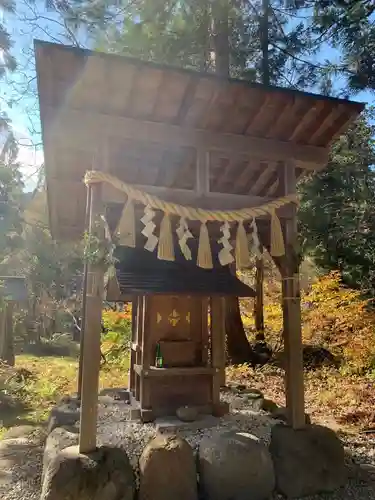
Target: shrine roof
139, 272
142, 122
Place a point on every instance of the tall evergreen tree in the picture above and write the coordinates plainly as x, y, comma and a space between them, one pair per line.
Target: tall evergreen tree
249, 40
337, 221
10, 198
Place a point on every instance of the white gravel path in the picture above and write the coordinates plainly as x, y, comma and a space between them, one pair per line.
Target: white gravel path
21, 480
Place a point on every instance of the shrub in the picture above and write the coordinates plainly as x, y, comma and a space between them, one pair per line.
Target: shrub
116, 341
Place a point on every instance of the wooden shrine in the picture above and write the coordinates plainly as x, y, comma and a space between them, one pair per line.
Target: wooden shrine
178, 152
178, 315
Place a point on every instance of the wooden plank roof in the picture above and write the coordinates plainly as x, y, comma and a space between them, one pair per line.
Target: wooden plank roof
141, 122
139, 272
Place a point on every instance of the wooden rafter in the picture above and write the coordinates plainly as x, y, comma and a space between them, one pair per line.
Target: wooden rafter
263, 178
83, 127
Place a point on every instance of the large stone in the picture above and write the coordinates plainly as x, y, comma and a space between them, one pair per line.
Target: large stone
116, 393
21, 431
64, 414
187, 413
168, 470
12, 451
104, 474
281, 413
57, 440
235, 466
307, 461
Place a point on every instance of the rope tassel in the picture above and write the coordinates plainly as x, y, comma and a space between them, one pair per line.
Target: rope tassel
126, 226
166, 248
204, 259
277, 239
242, 247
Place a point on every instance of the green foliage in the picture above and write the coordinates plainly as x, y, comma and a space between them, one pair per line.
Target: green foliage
337, 221
116, 341
185, 34
7, 61
48, 265
10, 199
349, 27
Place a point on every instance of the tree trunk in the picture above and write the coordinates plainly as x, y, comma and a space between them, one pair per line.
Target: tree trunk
264, 39
259, 275
238, 348
220, 36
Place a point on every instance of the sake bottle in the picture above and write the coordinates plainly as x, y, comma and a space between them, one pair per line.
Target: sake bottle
158, 357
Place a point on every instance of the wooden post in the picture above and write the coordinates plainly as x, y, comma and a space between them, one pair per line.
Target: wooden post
218, 344
83, 306
258, 300
139, 342
146, 354
134, 344
291, 303
9, 347
205, 332
92, 332
202, 185
3, 331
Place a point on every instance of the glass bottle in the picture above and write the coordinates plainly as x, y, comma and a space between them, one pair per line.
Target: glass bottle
158, 357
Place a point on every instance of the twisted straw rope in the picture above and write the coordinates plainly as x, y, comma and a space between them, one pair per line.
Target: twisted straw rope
199, 214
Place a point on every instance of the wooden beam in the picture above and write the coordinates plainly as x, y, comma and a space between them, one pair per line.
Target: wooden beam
84, 295
291, 304
218, 344
152, 371
72, 128
227, 173
263, 178
273, 188
144, 397
214, 201
202, 185
134, 346
91, 346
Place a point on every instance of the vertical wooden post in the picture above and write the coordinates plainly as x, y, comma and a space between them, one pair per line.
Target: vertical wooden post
218, 344
92, 332
292, 316
205, 332
3, 332
139, 354
134, 344
83, 306
146, 353
6, 333
9, 333
202, 185
258, 300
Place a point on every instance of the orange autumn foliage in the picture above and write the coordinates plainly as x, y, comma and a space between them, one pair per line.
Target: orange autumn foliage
333, 316
340, 319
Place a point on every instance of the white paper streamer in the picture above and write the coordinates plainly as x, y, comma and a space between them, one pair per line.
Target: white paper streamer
184, 234
225, 255
149, 229
256, 247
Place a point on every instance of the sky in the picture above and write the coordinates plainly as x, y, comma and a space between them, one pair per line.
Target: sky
33, 22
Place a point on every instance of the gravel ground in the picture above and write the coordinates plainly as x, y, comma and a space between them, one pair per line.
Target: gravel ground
20, 472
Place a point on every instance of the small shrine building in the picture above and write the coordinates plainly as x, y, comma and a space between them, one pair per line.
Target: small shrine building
186, 174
